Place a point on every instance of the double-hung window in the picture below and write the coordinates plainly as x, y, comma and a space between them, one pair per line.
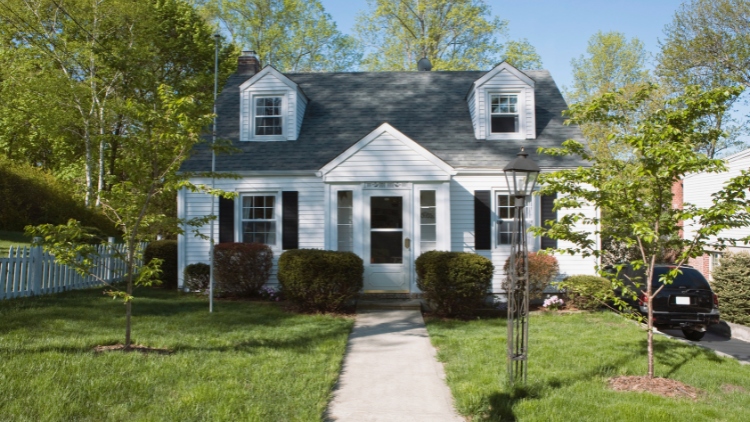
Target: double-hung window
504, 113
259, 215
506, 212
268, 119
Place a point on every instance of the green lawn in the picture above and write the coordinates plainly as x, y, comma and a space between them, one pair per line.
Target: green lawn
571, 356
8, 239
249, 361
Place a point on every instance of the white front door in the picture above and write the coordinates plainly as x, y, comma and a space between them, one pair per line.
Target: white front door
387, 246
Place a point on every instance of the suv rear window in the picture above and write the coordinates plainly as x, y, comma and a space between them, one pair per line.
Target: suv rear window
690, 278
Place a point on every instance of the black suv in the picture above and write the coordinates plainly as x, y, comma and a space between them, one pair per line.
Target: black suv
687, 303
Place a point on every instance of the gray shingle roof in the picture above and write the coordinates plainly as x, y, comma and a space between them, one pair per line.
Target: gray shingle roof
428, 107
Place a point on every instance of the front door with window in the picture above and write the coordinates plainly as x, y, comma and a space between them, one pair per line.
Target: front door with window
387, 246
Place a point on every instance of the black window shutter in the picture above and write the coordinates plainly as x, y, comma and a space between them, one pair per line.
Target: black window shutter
226, 220
548, 214
482, 220
289, 220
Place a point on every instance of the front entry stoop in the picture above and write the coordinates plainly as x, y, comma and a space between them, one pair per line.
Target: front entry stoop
390, 301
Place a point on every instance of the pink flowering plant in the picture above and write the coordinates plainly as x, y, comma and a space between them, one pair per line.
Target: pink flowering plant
269, 293
553, 303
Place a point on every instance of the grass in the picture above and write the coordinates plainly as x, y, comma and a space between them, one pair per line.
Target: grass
8, 239
248, 361
571, 357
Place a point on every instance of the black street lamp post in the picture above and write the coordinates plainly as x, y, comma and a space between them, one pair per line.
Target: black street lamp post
521, 175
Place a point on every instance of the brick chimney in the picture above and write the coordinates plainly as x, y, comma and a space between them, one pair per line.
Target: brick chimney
248, 63
677, 199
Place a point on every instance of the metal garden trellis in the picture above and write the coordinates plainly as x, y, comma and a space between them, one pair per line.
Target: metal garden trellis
521, 175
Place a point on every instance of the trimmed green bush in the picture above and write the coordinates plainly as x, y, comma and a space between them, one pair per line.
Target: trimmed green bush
32, 196
454, 283
587, 292
543, 268
166, 250
241, 269
731, 284
317, 280
197, 276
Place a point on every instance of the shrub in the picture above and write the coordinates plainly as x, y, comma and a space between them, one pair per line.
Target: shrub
732, 285
543, 268
241, 269
197, 277
166, 250
32, 196
454, 283
587, 292
317, 280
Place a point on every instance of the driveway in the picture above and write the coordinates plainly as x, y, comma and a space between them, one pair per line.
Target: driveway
725, 346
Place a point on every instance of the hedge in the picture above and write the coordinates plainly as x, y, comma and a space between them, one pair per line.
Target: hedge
454, 283
166, 250
731, 283
543, 268
241, 269
587, 292
32, 196
318, 280
197, 277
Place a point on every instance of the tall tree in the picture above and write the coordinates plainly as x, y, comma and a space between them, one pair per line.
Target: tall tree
291, 35
663, 141
708, 44
611, 62
166, 63
453, 34
522, 55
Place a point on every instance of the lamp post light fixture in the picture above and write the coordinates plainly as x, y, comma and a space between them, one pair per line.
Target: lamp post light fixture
521, 175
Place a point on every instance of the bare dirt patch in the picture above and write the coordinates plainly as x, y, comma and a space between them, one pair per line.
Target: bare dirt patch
729, 388
661, 386
133, 348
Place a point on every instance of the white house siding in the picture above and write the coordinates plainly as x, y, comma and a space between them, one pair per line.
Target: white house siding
697, 190
294, 106
385, 158
462, 189
505, 81
311, 214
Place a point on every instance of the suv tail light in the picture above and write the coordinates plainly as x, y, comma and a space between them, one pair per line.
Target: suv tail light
716, 301
643, 299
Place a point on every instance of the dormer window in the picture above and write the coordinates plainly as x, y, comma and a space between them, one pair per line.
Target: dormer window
502, 105
268, 120
504, 113
272, 107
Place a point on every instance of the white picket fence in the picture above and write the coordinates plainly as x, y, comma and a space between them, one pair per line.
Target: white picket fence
29, 271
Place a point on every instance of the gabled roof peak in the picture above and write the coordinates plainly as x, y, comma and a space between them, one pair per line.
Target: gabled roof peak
505, 66
268, 69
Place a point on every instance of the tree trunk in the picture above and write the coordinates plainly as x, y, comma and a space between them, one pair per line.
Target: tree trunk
128, 302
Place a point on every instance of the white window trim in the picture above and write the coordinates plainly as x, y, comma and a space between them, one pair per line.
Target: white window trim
238, 232
250, 114
521, 104
531, 220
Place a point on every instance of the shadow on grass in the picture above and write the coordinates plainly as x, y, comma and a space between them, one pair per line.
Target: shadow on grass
160, 318
501, 404
670, 357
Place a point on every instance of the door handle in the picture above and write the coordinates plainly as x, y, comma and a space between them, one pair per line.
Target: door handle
407, 243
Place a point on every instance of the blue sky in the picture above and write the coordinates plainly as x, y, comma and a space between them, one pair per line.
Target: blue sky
559, 29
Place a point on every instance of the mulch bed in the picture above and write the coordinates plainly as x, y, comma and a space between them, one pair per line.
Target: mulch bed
661, 386
133, 348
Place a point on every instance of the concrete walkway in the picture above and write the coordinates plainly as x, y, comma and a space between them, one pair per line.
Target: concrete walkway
390, 373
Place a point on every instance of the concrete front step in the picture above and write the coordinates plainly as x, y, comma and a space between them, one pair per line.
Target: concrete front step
406, 304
